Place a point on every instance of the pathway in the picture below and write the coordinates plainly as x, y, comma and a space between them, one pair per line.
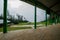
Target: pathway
42, 33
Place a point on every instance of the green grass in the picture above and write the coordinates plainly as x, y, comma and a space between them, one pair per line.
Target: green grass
1, 29
30, 23
15, 28
24, 23
44, 22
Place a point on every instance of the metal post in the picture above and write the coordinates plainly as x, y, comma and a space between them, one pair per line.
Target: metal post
5, 17
50, 18
46, 19
47, 11
35, 16
58, 18
55, 18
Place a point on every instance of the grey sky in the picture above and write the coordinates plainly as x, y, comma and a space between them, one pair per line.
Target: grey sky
1, 5
25, 9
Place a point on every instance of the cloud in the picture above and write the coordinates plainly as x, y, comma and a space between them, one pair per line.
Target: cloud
25, 9
1, 6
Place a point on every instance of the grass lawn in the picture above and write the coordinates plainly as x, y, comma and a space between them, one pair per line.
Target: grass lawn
15, 28
19, 28
29, 23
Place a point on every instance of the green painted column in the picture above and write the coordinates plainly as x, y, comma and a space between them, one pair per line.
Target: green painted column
55, 18
51, 18
47, 12
46, 18
58, 18
5, 17
35, 15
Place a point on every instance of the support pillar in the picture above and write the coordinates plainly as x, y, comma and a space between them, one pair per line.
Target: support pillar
47, 12
50, 18
58, 18
35, 15
55, 18
5, 17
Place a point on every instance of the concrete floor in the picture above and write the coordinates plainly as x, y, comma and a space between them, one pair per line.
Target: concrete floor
43, 33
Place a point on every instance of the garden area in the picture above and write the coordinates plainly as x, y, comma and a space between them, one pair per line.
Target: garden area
24, 25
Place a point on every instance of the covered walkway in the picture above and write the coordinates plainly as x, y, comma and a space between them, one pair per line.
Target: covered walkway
52, 7
51, 32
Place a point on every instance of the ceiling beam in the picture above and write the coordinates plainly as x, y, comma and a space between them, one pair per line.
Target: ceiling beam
58, 11
39, 4
54, 4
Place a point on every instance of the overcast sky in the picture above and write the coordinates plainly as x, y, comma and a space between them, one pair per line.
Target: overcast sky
24, 9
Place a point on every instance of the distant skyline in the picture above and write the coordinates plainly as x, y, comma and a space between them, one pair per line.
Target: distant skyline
24, 9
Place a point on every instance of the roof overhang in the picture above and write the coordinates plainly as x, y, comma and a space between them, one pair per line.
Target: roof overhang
52, 5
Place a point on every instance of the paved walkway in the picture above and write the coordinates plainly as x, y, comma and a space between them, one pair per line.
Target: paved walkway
39, 25
42, 33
